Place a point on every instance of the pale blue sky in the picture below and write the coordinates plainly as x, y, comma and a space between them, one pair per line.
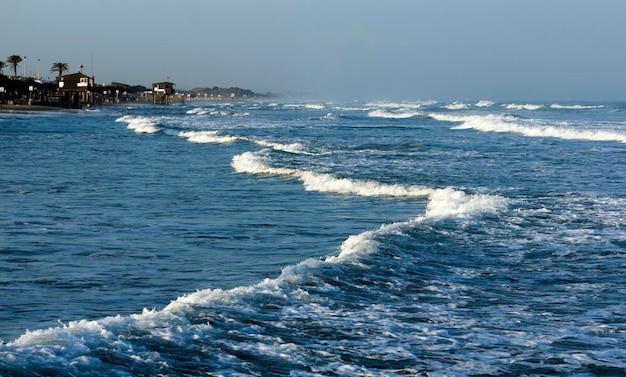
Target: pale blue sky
335, 49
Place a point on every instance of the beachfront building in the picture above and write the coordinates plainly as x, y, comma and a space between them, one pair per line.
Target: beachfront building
26, 91
76, 90
163, 93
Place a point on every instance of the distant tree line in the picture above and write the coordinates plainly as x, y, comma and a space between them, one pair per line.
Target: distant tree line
15, 60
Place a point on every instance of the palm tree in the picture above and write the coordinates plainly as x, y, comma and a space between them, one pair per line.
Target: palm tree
2, 66
59, 67
14, 60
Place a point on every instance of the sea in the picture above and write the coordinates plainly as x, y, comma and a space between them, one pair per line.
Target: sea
285, 237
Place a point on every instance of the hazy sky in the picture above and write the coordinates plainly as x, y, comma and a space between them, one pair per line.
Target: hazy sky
334, 49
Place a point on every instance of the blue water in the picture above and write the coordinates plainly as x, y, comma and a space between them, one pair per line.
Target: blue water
314, 239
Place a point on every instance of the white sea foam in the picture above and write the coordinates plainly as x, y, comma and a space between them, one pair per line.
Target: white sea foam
530, 128
255, 163
329, 116
216, 137
575, 107
197, 111
310, 106
352, 108
68, 349
442, 203
455, 106
140, 124
208, 137
528, 106
295, 148
400, 105
393, 115
449, 202
484, 103
323, 182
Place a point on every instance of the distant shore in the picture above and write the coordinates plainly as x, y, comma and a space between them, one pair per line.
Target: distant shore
37, 108
28, 108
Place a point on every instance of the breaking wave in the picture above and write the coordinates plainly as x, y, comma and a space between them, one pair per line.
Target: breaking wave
394, 115
140, 124
208, 137
484, 103
515, 106
216, 137
456, 106
575, 107
442, 202
530, 128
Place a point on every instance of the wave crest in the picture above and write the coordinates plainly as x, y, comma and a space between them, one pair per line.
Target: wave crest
532, 128
207, 137
575, 107
393, 115
528, 106
141, 125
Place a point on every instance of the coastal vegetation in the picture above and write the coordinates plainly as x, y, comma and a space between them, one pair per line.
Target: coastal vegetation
14, 60
60, 67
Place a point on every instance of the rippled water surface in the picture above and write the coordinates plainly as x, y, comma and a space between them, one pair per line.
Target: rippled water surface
307, 239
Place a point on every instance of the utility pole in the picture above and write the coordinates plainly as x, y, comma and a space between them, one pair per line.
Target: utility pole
24, 66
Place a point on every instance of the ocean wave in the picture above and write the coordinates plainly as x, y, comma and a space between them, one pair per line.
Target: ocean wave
208, 137
309, 106
446, 202
528, 106
394, 115
149, 342
400, 105
575, 107
442, 204
216, 137
295, 148
255, 163
204, 111
352, 108
456, 106
197, 111
329, 116
140, 124
484, 103
531, 128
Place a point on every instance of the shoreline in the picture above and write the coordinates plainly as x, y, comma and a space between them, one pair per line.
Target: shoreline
41, 108
28, 108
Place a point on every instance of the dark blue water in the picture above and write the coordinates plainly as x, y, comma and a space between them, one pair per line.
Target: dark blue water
314, 239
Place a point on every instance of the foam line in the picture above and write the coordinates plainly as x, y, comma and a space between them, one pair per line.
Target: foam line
208, 137
503, 123
393, 115
140, 124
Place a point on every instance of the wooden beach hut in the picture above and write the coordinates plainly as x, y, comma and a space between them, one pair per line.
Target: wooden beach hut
163, 93
76, 90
